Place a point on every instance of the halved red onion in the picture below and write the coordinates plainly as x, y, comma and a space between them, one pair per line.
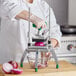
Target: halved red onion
16, 71
14, 64
7, 68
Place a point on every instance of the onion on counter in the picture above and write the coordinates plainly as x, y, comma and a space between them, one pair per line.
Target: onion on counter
7, 68
14, 64
11, 68
16, 71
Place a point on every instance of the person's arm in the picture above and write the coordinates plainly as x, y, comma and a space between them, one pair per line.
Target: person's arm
55, 35
33, 18
23, 15
13, 10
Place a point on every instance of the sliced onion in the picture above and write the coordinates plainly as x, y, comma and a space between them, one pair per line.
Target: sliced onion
7, 68
16, 71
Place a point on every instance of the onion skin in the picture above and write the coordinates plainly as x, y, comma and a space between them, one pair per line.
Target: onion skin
8, 68
16, 71
6, 72
5, 68
39, 44
14, 64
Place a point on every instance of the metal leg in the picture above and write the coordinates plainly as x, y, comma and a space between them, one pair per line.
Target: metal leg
22, 59
36, 59
36, 62
55, 57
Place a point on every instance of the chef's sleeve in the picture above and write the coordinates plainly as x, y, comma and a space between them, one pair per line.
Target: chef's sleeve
54, 27
11, 8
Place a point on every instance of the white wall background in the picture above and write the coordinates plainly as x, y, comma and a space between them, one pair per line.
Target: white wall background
0, 18
60, 8
72, 12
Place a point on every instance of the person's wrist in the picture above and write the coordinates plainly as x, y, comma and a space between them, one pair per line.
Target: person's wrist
32, 18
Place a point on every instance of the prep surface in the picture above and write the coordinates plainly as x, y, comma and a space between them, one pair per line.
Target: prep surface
65, 69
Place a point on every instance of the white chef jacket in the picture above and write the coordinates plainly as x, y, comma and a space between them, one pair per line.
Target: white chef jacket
13, 34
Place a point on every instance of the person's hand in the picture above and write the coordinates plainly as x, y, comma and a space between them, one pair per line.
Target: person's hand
54, 42
38, 21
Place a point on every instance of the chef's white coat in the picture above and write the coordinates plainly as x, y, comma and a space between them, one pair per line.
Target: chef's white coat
13, 33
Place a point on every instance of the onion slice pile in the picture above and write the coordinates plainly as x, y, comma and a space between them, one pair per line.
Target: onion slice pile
11, 68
